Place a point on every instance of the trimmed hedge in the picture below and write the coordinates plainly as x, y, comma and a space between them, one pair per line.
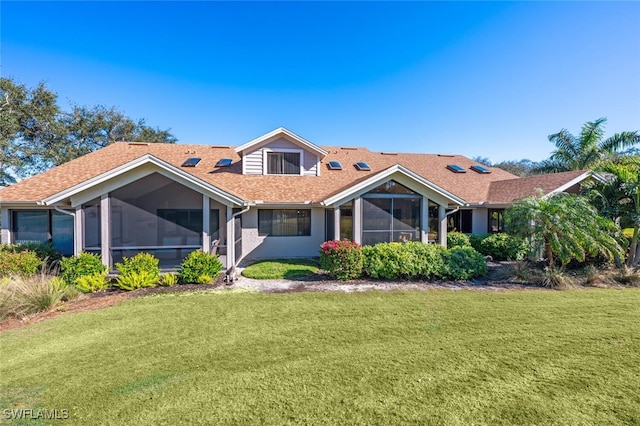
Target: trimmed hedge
457, 239
342, 259
199, 268
71, 268
24, 263
408, 261
500, 246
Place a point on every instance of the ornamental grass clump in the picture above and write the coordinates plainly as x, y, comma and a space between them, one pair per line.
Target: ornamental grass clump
342, 259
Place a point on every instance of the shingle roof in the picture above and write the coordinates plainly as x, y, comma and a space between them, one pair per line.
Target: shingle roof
471, 186
507, 191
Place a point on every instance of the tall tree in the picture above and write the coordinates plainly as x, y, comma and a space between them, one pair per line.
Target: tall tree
587, 150
618, 198
563, 226
35, 134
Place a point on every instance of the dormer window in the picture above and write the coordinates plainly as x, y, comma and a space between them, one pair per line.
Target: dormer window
283, 163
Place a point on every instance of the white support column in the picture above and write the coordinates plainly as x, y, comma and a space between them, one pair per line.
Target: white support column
105, 228
206, 222
442, 221
231, 239
424, 220
336, 223
357, 220
78, 231
5, 218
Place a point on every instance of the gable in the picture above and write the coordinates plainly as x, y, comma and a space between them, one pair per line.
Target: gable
255, 158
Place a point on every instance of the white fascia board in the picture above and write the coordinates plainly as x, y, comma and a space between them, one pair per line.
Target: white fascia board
282, 131
145, 159
573, 182
388, 172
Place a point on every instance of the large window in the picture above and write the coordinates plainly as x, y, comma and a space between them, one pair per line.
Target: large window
283, 163
43, 226
496, 223
460, 221
390, 212
284, 223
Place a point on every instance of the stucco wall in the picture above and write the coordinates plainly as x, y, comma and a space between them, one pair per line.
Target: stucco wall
480, 221
255, 246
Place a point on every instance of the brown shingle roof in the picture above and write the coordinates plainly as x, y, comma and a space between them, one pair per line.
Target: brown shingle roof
507, 191
471, 186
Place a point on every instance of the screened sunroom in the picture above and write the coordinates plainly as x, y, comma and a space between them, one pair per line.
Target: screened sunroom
154, 215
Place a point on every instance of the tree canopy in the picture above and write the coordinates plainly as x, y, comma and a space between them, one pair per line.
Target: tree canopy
587, 150
562, 226
37, 134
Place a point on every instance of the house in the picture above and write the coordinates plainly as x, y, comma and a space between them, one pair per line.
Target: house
278, 195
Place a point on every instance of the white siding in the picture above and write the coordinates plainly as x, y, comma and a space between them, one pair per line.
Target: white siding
252, 161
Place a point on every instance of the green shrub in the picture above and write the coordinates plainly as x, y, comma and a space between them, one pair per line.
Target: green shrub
43, 251
457, 239
409, 260
342, 259
23, 263
70, 292
476, 240
464, 263
94, 282
199, 268
168, 280
138, 263
81, 265
503, 246
134, 280
136, 272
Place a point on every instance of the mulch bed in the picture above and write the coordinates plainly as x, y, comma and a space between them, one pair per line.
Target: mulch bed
317, 282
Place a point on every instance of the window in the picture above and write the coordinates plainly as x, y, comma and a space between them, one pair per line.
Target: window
283, 163
42, 226
191, 162
455, 168
334, 165
460, 221
391, 212
362, 166
224, 162
496, 223
284, 223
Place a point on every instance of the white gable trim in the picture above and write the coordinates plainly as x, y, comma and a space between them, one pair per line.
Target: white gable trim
573, 182
379, 178
281, 131
163, 167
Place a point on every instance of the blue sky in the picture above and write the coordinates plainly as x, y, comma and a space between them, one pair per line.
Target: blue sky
489, 79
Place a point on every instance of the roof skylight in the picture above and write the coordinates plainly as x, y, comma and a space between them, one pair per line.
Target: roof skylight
191, 162
455, 168
480, 169
334, 165
362, 166
224, 162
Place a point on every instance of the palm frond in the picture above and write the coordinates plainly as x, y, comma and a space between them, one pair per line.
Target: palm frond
564, 141
591, 134
618, 141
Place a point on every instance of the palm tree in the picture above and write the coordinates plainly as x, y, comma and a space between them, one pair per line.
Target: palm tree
618, 198
562, 226
586, 151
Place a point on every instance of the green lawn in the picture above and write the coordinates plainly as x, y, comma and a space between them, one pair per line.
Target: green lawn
424, 357
272, 269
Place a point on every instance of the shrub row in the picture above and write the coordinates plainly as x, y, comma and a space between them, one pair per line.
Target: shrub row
411, 260
87, 273
500, 246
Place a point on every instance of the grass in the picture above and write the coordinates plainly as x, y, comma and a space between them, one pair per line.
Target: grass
430, 357
273, 269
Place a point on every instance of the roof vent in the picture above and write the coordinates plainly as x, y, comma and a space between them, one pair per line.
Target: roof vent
334, 165
362, 166
224, 162
389, 153
455, 168
191, 162
138, 143
479, 169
